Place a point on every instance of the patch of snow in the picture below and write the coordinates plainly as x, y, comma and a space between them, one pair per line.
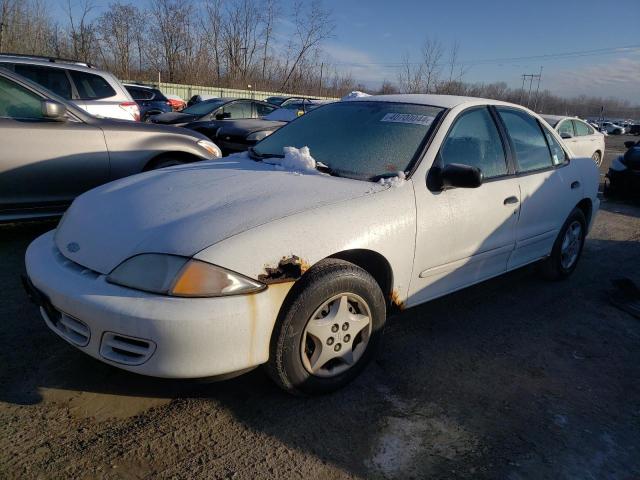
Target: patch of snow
397, 181
354, 94
295, 159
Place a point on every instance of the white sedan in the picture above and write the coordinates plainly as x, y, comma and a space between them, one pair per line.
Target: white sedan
294, 255
581, 138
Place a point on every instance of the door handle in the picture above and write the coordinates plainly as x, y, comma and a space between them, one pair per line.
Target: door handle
575, 185
511, 200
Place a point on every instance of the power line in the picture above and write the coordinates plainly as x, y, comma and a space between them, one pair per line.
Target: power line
508, 60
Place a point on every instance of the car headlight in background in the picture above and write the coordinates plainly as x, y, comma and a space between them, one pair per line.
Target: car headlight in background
210, 147
180, 277
257, 136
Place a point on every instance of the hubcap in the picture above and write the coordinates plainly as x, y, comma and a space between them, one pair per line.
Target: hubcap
571, 245
597, 159
336, 335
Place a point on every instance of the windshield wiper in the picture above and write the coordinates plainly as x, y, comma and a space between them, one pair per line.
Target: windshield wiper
259, 156
321, 167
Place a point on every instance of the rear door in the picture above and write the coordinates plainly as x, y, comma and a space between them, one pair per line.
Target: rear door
97, 96
549, 187
43, 162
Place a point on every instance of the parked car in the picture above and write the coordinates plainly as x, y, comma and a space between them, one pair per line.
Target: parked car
623, 178
634, 129
579, 136
150, 100
223, 266
96, 91
238, 135
177, 103
200, 98
279, 100
612, 128
53, 151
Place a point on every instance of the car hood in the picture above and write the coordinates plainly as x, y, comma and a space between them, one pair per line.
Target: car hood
182, 210
245, 127
170, 118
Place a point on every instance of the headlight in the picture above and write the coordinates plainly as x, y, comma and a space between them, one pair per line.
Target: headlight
257, 136
210, 147
180, 277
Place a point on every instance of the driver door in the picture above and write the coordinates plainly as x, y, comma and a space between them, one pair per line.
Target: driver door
478, 235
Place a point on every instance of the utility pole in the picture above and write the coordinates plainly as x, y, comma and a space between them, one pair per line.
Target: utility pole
535, 104
530, 77
321, 69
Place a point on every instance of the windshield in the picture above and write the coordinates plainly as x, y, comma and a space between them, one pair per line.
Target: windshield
362, 140
203, 108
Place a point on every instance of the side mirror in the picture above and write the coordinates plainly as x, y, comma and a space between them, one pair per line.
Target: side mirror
461, 176
54, 110
566, 135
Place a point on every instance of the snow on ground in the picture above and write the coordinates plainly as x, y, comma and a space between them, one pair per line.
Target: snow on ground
354, 94
397, 181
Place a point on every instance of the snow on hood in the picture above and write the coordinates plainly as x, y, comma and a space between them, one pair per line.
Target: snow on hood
182, 210
296, 160
354, 94
396, 181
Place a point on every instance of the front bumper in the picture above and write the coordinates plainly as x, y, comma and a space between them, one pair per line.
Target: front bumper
146, 333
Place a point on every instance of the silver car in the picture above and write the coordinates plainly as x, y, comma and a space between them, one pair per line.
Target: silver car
52, 150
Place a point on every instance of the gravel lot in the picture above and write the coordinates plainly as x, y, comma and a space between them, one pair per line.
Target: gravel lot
515, 378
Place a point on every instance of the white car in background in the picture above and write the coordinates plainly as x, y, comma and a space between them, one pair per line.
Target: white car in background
613, 128
294, 254
96, 91
579, 136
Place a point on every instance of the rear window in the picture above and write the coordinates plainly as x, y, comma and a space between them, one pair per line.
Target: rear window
54, 79
90, 86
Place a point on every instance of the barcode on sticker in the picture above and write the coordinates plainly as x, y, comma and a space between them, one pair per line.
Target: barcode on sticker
408, 118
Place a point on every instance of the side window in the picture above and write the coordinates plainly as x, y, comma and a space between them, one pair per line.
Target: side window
262, 109
17, 102
55, 79
90, 86
558, 155
474, 140
238, 110
566, 129
532, 151
581, 128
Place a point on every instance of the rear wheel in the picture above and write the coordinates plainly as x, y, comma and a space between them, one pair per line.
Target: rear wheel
328, 329
597, 158
567, 247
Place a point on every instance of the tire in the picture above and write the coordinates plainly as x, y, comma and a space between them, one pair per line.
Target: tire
597, 158
318, 295
557, 266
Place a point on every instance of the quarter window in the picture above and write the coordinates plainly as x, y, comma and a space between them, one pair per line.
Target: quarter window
474, 140
90, 86
532, 151
17, 102
581, 128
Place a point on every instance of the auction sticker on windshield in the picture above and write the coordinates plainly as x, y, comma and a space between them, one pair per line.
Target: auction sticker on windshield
408, 118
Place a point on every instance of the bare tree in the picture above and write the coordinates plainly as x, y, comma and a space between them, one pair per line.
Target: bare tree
118, 26
312, 28
81, 31
170, 35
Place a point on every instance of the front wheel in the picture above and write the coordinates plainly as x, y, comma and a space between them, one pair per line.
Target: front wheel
567, 247
328, 329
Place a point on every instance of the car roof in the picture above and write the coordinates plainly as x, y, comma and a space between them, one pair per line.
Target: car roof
135, 85
433, 100
68, 64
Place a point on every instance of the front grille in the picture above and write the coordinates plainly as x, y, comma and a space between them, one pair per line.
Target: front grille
70, 328
128, 350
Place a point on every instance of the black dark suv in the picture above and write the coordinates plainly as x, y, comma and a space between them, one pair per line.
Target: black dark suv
150, 100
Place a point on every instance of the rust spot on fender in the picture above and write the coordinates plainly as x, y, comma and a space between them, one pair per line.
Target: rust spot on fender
395, 300
289, 269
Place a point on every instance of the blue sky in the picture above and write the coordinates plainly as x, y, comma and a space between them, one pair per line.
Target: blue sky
379, 31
